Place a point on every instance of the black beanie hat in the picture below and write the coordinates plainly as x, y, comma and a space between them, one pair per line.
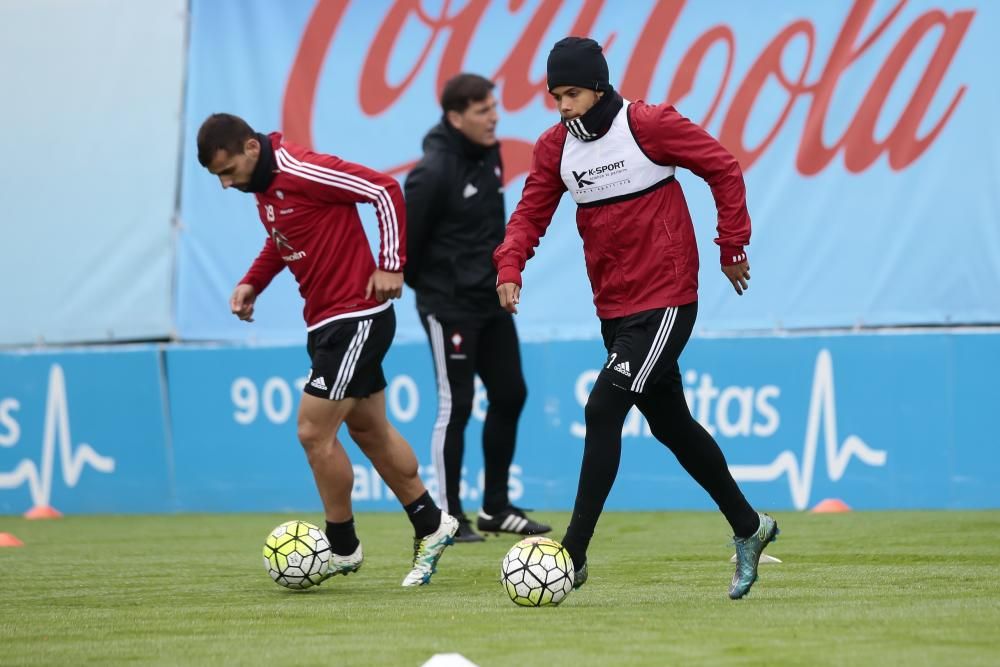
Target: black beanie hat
578, 61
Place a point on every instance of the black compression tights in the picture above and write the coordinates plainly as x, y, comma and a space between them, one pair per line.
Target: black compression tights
672, 424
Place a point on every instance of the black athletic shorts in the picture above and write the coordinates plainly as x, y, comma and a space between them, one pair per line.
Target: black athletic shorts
347, 356
643, 348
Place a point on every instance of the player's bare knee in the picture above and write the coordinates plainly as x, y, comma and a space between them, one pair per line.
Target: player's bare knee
368, 438
311, 436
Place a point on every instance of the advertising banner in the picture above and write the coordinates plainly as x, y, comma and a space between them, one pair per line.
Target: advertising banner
877, 421
866, 131
84, 432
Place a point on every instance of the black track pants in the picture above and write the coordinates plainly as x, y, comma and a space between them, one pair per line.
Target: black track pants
642, 370
461, 350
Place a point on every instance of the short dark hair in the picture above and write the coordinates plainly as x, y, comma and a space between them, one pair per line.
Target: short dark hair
462, 90
222, 131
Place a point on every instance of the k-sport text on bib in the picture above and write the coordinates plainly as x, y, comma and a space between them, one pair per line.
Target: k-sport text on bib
610, 168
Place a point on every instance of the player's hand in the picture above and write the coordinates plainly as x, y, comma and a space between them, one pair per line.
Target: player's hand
384, 285
739, 276
510, 296
241, 302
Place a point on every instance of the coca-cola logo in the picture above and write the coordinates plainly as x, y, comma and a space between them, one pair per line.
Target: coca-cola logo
944, 31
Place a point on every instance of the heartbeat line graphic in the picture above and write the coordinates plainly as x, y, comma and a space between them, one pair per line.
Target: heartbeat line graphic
56, 424
838, 455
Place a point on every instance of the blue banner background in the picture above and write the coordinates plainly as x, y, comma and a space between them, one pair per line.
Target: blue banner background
834, 249
879, 421
84, 432
96, 254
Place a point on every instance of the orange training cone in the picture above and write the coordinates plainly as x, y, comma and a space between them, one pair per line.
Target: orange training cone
8, 540
830, 506
43, 512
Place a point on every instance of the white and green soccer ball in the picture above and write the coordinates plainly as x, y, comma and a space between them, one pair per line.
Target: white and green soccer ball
297, 554
537, 572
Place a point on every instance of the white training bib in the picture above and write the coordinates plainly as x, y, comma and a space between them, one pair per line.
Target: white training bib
609, 168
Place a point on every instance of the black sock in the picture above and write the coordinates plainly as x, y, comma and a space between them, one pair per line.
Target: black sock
577, 553
746, 527
424, 515
343, 540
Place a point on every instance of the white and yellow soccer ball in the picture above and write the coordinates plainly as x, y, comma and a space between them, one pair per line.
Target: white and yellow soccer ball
297, 554
537, 572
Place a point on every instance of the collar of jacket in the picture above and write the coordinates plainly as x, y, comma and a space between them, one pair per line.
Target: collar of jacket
597, 121
469, 149
266, 167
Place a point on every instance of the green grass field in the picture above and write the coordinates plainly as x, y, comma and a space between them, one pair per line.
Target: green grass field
914, 588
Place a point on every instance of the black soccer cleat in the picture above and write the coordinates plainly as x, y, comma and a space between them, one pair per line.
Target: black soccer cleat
465, 532
510, 520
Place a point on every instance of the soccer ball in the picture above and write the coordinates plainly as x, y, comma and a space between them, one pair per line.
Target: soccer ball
297, 554
537, 572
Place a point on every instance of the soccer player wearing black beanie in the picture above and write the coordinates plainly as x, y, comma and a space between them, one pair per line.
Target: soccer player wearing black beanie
618, 159
578, 61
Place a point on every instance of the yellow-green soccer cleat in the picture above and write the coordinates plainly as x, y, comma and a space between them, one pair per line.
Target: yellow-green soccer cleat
345, 564
748, 551
427, 550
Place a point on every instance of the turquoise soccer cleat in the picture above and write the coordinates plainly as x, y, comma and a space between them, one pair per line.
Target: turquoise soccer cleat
748, 551
427, 551
580, 576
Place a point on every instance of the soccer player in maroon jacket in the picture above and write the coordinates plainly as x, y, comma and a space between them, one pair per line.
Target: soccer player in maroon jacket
617, 160
308, 204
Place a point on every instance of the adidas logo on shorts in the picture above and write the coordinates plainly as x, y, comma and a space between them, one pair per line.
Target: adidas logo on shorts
624, 369
319, 383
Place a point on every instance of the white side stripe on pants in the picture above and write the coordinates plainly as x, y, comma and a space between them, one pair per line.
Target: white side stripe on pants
350, 360
655, 350
444, 410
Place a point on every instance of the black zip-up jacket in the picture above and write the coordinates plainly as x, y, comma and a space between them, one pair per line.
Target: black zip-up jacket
455, 219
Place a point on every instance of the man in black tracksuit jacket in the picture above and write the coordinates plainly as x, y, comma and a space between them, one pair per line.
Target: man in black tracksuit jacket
455, 219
